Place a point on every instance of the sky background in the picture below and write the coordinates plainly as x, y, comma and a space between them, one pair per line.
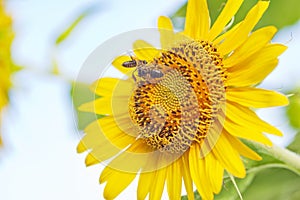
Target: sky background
39, 160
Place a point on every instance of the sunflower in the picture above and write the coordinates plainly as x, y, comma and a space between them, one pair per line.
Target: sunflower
6, 37
180, 114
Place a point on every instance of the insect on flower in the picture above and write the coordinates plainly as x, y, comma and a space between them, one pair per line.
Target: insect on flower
144, 69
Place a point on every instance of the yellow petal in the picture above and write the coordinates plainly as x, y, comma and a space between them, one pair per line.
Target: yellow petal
256, 98
116, 183
101, 153
269, 52
254, 43
106, 149
130, 160
245, 117
214, 172
226, 15
246, 132
104, 86
112, 87
188, 182
165, 23
158, 183
197, 21
241, 147
112, 128
118, 61
105, 130
81, 147
144, 51
255, 68
222, 37
167, 37
197, 169
213, 135
229, 157
106, 106
99, 106
174, 180
236, 38
251, 75
145, 181
133, 159
92, 138
106, 174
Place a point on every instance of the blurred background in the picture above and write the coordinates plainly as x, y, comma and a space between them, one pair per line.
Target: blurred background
52, 39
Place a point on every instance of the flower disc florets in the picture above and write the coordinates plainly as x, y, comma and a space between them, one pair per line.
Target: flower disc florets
177, 96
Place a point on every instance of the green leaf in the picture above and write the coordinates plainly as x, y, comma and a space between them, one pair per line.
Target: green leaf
180, 12
229, 192
67, 32
273, 16
196, 196
80, 94
275, 176
281, 13
274, 184
273, 157
266, 184
295, 145
293, 109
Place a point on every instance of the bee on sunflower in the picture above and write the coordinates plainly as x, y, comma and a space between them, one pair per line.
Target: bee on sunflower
179, 115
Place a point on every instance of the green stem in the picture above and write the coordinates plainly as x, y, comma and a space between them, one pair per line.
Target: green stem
236, 186
286, 156
272, 165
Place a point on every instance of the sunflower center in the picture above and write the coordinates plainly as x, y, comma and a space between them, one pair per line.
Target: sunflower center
177, 96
